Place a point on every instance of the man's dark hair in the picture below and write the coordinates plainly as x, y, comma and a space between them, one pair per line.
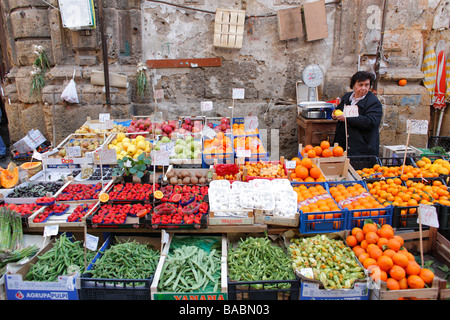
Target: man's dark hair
361, 76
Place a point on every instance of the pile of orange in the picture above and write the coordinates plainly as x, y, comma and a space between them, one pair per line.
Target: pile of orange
323, 150
409, 194
264, 169
217, 146
252, 143
239, 130
355, 197
404, 172
382, 253
306, 171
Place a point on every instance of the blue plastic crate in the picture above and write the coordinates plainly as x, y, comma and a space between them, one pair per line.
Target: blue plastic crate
207, 161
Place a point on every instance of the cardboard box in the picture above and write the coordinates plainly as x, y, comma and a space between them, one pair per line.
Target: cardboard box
337, 170
260, 217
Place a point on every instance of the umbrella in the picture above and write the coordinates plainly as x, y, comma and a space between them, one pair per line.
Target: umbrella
447, 92
429, 68
439, 91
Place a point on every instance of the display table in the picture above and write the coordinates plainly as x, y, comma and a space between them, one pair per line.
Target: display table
313, 131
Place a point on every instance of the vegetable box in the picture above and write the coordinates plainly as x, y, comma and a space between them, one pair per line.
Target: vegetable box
337, 170
121, 288
29, 192
199, 274
17, 288
73, 215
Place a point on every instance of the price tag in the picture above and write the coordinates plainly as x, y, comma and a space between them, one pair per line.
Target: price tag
169, 147
73, 152
51, 230
160, 158
250, 123
156, 117
241, 152
91, 242
103, 117
307, 272
159, 93
290, 164
428, 215
238, 93
351, 111
206, 105
208, 132
107, 155
417, 126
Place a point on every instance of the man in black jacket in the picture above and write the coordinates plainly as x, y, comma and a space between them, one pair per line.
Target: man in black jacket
362, 130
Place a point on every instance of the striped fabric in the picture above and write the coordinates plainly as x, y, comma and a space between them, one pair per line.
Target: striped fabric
429, 68
447, 92
440, 89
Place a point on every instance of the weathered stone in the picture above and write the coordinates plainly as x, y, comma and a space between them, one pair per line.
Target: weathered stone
30, 23
25, 51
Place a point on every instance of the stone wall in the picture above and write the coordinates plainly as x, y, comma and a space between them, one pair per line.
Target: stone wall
267, 68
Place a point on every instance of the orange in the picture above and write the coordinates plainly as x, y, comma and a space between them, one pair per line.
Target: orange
364, 244
318, 150
402, 82
412, 267
301, 172
390, 253
399, 239
311, 154
392, 284
338, 151
386, 233
394, 244
385, 263
427, 275
327, 153
325, 145
371, 237
351, 241
359, 236
397, 272
369, 227
400, 260
415, 282
297, 160
308, 147
381, 242
314, 172
403, 283
363, 256
369, 262
376, 253
103, 197
355, 230
358, 251
307, 163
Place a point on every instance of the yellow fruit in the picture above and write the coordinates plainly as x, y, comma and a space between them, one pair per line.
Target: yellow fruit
125, 146
114, 141
131, 150
126, 140
141, 144
421, 163
427, 160
140, 138
338, 112
120, 136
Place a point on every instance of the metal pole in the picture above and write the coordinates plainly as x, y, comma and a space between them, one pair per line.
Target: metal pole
104, 51
380, 47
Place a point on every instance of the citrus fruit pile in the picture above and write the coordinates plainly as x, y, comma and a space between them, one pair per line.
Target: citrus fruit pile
264, 170
382, 253
355, 197
217, 147
131, 147
315, 198
323, 150
306, 171
239, 130
438, 166
252, 143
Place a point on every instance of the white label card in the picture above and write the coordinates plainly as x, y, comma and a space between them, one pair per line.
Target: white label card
290, 164
160, 158
73, 152
159, 94
91, 242
103, 117
208, 132
241, 152
51, 230
107, 155
238, 93
351, 111
206, 106
250, 123
169, 147
428, 216
417, 126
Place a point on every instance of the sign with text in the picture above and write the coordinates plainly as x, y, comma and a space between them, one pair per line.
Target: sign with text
107, 155
290, 164
91, 242
73, 152
206, 106
428, 216
417, 126
159, 94
169, 147
351, 111
160, 157
103, 117
238, 93
250, 123
208, 132
241, 152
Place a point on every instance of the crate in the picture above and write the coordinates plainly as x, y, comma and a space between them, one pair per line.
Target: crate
116, 289
246, 177
396, 161
405, 218
229, 28
335, 169
363, 161
130, 221
379, 291
221, 294
399, 151
312, 290
444, 217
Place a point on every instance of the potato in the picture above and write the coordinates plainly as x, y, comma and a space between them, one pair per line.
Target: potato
198, 174
179, 181
187, 180
202, 180
170, 174
183, 174
194, 180
173, 180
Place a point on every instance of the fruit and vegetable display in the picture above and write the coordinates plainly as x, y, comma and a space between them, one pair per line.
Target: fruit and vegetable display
219, 147
188, 177
80, 212
187, 148
306, 171
127, 146
65, 257
323, 150
87, 130
9, 177
333, 263
132, 191
382, 253
79, 192
34, 189
85, 144
117, 213
263, 169
25, 209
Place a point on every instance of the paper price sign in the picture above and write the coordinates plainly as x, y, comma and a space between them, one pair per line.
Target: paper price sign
241, 152
159, 94
417, 126
290, 164
238, 93
160, 158
107, 155
169, 147
428, 216
351, 111
103, 117
91, 242
206, 106
51, 230
250, 123
208, 132
73, 152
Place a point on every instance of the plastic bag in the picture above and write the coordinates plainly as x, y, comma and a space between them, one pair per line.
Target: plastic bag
70, 92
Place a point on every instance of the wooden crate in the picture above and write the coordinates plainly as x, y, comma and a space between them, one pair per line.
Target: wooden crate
215, 220
337, 170
382, 293
229, 28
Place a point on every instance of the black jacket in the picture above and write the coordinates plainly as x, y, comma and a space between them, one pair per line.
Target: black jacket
363, 135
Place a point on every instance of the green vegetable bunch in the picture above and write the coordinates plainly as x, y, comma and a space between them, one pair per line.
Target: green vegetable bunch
141, 81
40, 66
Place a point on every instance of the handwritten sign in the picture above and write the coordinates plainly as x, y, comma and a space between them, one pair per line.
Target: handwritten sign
417, 126
160, 158
107, 155
37, 155
351, 111
206, 106
428, 216
241, 152
156, 117
73, 152
238, 93
159, 93
51, 230
208, 132
91, 242
250, 123
290, 164
169, 147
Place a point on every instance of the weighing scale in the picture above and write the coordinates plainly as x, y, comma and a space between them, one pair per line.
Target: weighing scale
312, 77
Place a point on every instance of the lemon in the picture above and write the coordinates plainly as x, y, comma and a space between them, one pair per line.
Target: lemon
120, 136
131, 150
141, 145
126, 140
140, 138
125, 146
114, 141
